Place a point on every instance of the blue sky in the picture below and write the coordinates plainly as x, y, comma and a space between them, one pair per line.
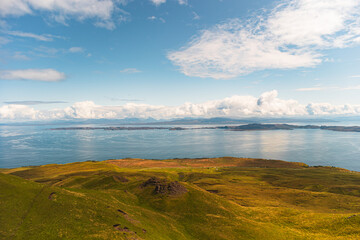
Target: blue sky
176, 58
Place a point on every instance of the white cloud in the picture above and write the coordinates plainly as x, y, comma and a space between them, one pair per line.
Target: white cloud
357, 87
158, 2
78, 8
18, 112
46, 75
76, 49
183, 2
195, 16
316, 22
45, 37
290, 36
268, 104
43, 51
130, 70
311, 89
153, 18
14, 7
61, 9
83, 110
329, 109
109, 25
124, 2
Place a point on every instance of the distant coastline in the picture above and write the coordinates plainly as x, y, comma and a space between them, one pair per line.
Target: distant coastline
247, 127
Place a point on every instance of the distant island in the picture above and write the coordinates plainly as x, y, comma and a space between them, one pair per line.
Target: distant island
247, 127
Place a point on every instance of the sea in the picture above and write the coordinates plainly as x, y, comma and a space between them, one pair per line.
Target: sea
29, 145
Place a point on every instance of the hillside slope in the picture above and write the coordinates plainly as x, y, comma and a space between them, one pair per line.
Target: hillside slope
222, 198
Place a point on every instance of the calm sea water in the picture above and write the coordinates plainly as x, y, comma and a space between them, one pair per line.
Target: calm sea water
37, 145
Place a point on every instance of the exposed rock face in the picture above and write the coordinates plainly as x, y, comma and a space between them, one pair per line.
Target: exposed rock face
153, 181
164, 187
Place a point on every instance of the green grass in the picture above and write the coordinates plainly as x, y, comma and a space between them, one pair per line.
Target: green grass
272, 200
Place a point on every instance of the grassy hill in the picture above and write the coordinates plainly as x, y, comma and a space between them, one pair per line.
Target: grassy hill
220, 198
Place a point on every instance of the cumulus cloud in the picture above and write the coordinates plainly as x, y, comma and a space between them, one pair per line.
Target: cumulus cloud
292, 35
85, 109
18, 112
329, 109
266, 105
46, 75
101, 10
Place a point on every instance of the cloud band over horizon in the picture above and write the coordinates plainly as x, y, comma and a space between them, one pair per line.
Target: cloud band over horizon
266, 105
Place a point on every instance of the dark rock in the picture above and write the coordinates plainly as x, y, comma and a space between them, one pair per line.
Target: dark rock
51, 196
124, 229
164, 187
153, 181
121, 211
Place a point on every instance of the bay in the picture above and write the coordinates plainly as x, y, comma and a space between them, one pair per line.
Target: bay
37, 145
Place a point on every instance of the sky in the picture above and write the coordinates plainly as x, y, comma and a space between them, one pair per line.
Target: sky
164, 59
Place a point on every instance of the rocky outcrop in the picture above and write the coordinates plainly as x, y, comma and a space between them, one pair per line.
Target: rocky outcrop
163, 187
